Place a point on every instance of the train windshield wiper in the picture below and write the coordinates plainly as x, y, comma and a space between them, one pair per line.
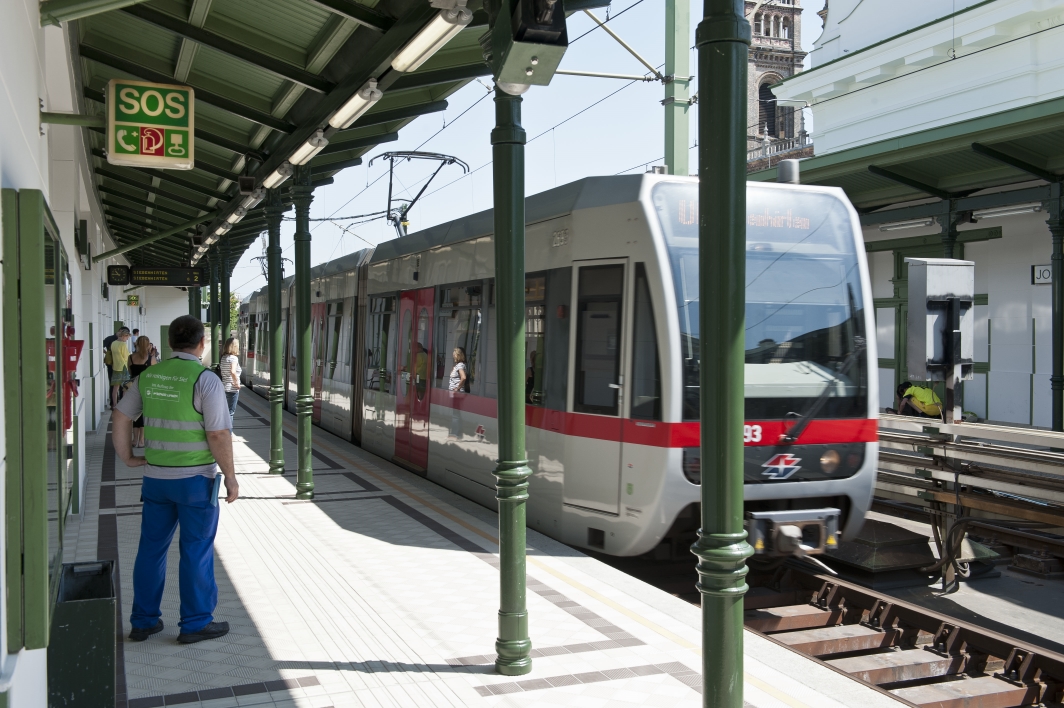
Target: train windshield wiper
792, 435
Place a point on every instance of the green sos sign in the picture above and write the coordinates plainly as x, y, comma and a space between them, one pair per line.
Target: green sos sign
150, 125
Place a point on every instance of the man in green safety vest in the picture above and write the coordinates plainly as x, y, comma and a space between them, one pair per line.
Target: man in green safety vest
918, 401
188, 437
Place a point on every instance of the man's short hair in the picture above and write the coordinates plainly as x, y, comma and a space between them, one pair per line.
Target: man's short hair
186, 332
903, 387
136, 331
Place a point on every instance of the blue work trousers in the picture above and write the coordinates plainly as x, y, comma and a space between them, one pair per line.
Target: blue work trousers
168, 503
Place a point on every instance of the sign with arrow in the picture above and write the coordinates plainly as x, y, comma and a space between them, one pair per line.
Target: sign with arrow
150, 125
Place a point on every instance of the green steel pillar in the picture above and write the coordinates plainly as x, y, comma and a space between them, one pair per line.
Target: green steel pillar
723, 41
1056, 379
223, 296
214, 311
508, 150
303, 195
274, 210
677, 91
192, 303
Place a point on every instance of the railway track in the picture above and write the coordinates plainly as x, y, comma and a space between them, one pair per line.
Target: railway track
920, 657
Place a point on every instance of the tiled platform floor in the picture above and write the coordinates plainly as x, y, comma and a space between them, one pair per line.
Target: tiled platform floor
383, 592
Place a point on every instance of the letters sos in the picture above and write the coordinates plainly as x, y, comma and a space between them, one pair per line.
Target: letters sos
152, 103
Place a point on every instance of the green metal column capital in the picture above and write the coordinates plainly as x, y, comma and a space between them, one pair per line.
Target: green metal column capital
723, 49
513, 647
303, 195
274, 277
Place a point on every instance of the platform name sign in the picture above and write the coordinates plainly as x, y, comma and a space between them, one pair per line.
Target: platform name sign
150, 125
176, 277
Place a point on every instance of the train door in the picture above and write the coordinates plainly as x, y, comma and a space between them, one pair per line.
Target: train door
412, 404
317, 356
593, 457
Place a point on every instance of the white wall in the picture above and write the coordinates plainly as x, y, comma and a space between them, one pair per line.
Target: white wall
1013, 332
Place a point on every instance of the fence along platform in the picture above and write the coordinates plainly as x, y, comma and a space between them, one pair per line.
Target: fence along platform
382, 592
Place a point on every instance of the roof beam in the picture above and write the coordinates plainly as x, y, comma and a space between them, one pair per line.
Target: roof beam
131, 223
440, 76
119, 194
337, 166
55, 11
168, 250
1021, 165
199, 165
191, 186
226, 46
206, 96
357, 12
147, 187
343, 146
134, 214
395, 114
188, 225
909, 182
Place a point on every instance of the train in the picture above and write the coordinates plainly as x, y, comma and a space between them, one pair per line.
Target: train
612, 362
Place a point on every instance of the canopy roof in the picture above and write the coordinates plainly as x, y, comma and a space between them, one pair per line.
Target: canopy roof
1007, 155
266, 75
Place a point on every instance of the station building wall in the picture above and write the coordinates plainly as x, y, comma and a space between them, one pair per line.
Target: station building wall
1013, 329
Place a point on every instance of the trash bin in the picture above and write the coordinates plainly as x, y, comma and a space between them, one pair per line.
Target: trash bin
81, 648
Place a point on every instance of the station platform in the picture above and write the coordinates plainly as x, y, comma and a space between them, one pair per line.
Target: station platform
383, 591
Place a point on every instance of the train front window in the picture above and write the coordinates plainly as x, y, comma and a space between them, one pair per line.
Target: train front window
804, 304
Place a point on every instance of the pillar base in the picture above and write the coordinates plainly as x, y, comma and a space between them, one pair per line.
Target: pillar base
276, 436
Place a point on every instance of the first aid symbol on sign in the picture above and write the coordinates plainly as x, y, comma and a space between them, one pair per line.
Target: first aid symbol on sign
781, 466
150, 125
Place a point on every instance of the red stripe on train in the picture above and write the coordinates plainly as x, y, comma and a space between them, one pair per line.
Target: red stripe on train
656, 434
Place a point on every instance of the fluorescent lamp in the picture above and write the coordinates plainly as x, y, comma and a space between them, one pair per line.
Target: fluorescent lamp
358, 104
254, 198
238, 214
224, 228
309, 149
432, 38
911, 224
1011, 210
283, 172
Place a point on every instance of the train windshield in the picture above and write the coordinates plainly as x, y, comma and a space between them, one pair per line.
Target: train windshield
804, 304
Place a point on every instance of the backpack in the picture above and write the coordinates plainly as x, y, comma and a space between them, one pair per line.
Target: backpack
108, 360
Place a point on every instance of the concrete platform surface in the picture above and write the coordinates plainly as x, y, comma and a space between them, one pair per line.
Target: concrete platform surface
383, 591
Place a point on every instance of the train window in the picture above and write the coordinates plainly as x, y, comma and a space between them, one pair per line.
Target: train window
335, 315
598, 336
380, 343
646, 371
535, 331
458, 326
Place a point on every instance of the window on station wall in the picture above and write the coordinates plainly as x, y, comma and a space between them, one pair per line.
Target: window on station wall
646, 371
459, 327
535, 333
380, 344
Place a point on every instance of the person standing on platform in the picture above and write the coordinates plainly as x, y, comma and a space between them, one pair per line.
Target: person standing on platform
141, 358
119, 364
107, 342
230, 368
188, 433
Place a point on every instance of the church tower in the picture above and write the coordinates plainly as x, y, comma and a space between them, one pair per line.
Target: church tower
775, 54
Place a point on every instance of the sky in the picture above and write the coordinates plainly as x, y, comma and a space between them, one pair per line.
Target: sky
576, 127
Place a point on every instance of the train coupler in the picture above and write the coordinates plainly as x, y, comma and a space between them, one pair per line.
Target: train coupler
796, 532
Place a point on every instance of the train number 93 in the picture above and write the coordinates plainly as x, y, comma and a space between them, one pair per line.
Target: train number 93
751, 433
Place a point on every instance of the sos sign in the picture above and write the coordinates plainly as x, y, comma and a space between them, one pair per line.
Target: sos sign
150, 125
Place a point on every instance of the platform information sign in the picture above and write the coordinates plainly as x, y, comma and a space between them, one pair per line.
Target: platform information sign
150, 125
176, 277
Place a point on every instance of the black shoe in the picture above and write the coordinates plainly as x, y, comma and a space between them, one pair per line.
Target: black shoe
211, 631
139, 634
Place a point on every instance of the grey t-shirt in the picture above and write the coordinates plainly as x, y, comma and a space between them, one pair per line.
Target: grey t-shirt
208, 398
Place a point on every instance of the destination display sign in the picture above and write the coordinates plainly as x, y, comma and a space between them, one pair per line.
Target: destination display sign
176, 277
150, 125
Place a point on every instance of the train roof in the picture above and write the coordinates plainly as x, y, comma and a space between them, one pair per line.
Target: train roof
585, 193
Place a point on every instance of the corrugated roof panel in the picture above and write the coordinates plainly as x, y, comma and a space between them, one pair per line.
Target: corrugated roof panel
281, 24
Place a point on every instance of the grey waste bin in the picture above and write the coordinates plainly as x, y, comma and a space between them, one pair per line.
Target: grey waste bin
81, 648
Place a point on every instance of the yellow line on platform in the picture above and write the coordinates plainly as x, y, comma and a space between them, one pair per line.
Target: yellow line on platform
667, 634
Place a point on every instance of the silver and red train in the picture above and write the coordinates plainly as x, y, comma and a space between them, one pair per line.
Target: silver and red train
612, 360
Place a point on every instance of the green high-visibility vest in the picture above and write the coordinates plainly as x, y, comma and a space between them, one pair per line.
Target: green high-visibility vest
925, 399
173, 428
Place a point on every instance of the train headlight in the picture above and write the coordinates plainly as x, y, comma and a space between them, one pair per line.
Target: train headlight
829, 461
692, 464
